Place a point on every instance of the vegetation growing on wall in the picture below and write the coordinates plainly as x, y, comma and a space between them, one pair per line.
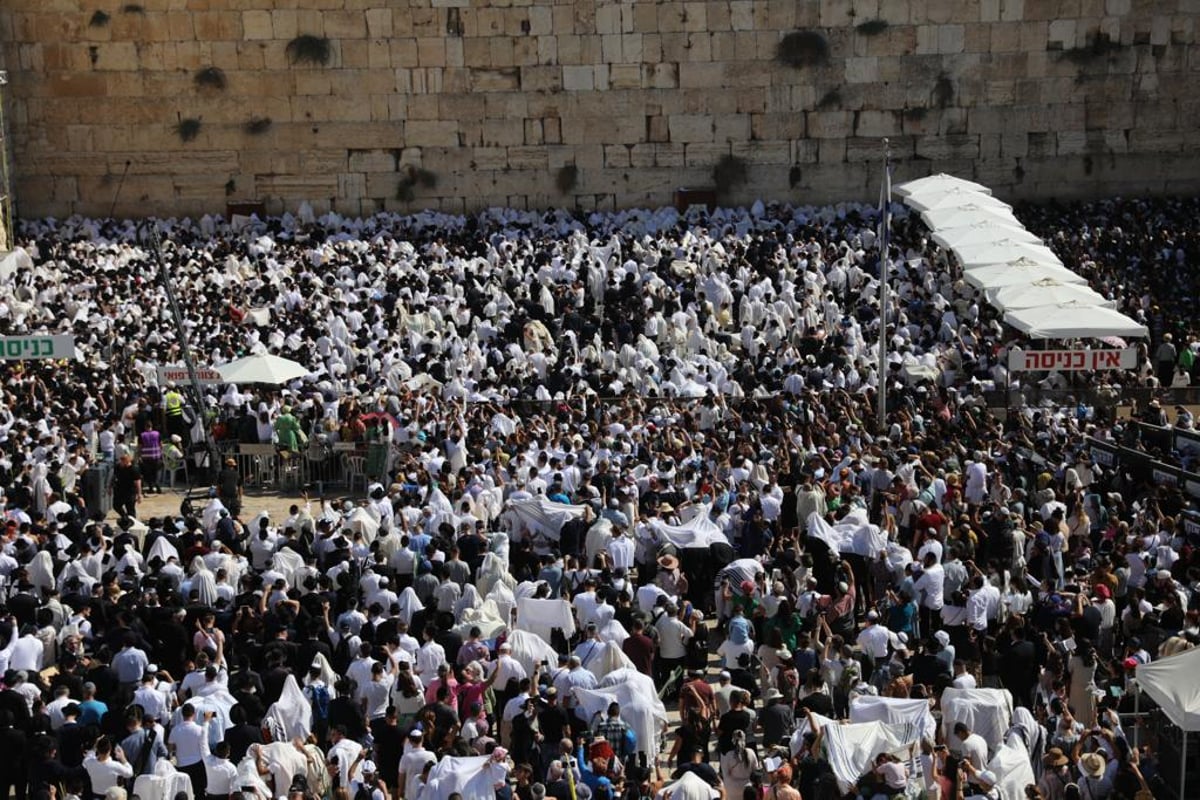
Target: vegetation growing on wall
729, 173
1099, 47
943, 91
309, 49
801, 49
187, 129
566, 178
99, 19
256, 126
411, 177
831, 99
210, 78
872, 27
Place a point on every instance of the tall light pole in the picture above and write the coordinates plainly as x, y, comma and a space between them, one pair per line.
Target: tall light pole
885, 227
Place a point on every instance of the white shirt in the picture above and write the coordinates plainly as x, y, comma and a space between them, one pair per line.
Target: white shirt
874, 639
411, 764
929, 587
190, 740
222, 776
27, 654
509, 669
622, 551
430, 656
585, 607
152, 701
376, 693
974, 749
104, 774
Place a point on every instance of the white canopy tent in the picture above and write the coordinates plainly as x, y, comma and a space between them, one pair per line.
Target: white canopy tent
967, 214
1019, 272
1073, 321
1045, 292
1002, 251
982, 231
953, 196
1171, 683
939, 182
263, 368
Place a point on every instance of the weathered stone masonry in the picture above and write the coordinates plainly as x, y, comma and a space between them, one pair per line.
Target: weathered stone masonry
461, 104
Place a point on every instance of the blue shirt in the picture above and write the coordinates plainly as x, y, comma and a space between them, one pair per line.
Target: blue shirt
91, 711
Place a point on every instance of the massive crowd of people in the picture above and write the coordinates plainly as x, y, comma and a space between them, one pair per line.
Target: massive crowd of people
633, 463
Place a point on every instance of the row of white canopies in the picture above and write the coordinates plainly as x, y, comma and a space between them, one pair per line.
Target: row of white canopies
1016, 271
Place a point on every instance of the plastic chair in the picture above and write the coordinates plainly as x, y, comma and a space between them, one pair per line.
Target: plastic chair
172, 470
356, 470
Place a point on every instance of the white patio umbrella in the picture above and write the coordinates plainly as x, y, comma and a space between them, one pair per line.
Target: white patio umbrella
1018, 272
941, 181
967, 214
953, 197
1045, 292
263, 368
983, 231
1073, 321
1001, 251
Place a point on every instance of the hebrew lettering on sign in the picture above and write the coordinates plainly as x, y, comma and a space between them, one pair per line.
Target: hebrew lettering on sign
1071, 360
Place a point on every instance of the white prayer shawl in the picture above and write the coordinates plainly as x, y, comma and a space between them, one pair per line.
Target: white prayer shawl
802, 727
529, 650
1031, 735
290, 716
504, 599
699, 532
597, 539
641, 708
361, 521
608, 627
205, 586
610, 659
283, 760
472, 777
987, 712
851, 748
165, 784
689, 787
41, 572
247, 770
76, 569
540, 515
1013, 765
852, 535
162, 548
327, 675
409, 604
487, 617
470, 599
743, 569
288, 563
493, 570
543, 616
212, 514
895, 711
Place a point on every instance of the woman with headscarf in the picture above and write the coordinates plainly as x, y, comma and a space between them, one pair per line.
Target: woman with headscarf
738, 765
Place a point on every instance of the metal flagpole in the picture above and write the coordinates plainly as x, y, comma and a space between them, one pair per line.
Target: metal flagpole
214, 461
885, 225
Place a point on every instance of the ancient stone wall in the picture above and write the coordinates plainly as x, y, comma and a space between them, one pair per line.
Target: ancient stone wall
360, 105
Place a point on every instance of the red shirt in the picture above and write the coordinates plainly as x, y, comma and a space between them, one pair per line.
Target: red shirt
640, 649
